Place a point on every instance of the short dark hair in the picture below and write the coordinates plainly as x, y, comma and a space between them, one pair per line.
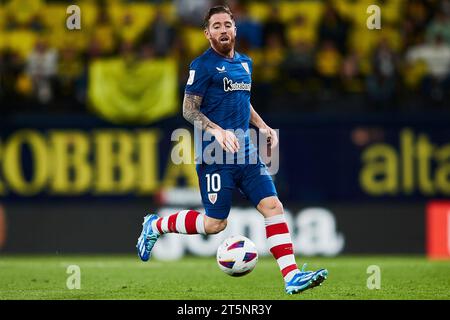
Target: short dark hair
214, 10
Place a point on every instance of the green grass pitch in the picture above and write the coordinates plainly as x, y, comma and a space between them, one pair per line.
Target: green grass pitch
126, 277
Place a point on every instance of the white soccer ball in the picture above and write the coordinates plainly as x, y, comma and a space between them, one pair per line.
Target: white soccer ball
237, 256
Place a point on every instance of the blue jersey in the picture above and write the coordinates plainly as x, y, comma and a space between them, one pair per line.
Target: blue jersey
224, 84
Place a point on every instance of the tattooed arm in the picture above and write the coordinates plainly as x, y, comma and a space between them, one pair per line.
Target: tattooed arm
192, 113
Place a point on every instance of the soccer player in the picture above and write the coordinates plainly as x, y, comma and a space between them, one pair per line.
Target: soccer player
217, 101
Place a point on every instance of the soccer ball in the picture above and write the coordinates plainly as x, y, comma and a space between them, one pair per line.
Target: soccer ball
237, 256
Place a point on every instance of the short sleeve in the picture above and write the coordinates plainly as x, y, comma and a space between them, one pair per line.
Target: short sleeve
199, 78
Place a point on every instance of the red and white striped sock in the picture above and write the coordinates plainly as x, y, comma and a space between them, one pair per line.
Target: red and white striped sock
280, 245
185, 222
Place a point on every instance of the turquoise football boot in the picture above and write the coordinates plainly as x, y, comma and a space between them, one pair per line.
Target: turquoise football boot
148, 237
306, 280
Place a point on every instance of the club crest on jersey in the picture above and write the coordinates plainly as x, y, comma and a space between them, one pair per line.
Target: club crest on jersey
229, 85
212, 197
245, 65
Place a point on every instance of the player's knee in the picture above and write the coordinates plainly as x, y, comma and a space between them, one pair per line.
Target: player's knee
272, 206
277, 207
215, 227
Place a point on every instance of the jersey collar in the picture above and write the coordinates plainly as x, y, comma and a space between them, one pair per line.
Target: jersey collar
235, 57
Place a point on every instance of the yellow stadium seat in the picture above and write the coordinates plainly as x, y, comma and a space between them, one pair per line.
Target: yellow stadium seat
360, 14
54, 15
356, 11
142, 13
312, 10
288, 10
365, 65
23, 10
305, 33
195, 40
328, 62
104, 35
363, 40
3, 40
61, 38
257, 57
116, 12
345, 8
391, 11
21, 41
273, 58
392, 35
169, 11
2, 18
88, 14
24, 84
259, 11
414, 73
142, 16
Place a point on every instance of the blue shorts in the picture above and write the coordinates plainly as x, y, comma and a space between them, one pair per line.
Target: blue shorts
218, 181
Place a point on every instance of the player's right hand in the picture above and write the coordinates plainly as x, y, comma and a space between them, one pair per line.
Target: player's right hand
227, 140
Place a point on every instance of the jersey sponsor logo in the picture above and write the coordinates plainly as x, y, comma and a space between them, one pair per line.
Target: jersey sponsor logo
191, 77
221, 70
212, 197
229, 85
245, 65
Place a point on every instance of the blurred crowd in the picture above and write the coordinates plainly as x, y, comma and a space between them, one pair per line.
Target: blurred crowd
308, 55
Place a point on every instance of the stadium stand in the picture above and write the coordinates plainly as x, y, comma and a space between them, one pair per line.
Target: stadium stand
321, 50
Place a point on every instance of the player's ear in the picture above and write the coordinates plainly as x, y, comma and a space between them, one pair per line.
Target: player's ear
206, 32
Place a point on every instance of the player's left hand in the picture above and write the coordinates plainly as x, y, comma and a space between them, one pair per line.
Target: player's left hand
271, 136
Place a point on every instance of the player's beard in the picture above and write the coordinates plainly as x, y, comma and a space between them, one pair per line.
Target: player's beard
223, 48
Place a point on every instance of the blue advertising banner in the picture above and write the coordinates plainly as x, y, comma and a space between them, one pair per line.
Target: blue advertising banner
321, 159
366, 159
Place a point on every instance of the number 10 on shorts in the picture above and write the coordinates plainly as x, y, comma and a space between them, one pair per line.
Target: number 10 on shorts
213, 182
